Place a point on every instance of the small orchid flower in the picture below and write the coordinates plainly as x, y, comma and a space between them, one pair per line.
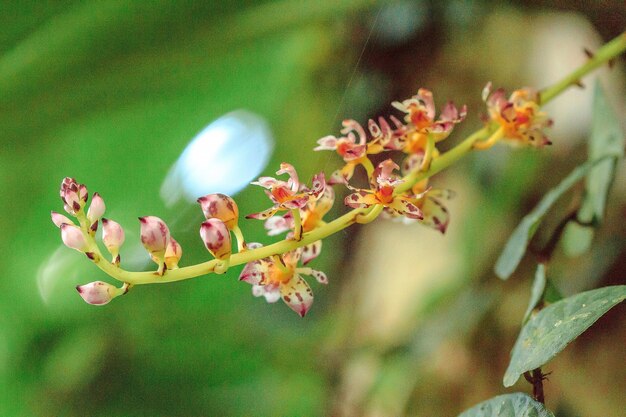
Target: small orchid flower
216, 238
422, 129
352, 151
382, 192
519, 118
429, 200
73, 195
113, 238
73, 237
312, 216
280, 277
100, 293
289, 195
155, 237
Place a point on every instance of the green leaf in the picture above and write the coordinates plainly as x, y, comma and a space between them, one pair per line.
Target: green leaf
606, 140
508, 405
517, 243
554, 327
536, 293
576, 239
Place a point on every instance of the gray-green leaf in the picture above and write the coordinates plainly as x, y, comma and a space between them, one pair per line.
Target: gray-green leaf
517, 243
606, 140
508, 405
539, 285
554, 327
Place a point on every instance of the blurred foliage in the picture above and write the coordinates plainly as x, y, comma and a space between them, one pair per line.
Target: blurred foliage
110, 92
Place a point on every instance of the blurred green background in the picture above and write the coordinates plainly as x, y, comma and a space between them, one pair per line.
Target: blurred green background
412, 323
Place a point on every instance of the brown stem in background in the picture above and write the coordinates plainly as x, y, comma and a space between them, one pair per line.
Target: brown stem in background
536, 379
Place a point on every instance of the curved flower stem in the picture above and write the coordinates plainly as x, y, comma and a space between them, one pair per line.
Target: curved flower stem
603, 55
493, 139
428, 154
369, 167
241, 243
369, 217
297, 224
443, 161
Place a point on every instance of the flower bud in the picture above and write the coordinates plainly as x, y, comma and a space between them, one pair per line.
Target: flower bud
98, 292
74, 195
154, 235
222, 207
96, 208
73, 237
216, 238
112, 237
173, 253
58, 219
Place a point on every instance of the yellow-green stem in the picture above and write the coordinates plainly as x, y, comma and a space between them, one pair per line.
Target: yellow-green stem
493, 139
241, 243
297, 224
607, 52
369, 167
428, 153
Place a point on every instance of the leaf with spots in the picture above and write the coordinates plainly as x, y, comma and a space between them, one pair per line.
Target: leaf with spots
508, 405
554, 327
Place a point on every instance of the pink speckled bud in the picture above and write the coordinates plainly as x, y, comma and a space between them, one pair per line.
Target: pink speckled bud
98, 293
222, 207
73, 237
112, 237
154, 235
96, 208
216, 238
74, 195
58, 219
173, 253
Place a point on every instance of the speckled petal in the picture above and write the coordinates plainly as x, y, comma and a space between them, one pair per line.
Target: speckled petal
311, 251
254, 272
436, 215
297, 295
263, 215
318, 184
360, 199
327, 143
405, 207
276, 225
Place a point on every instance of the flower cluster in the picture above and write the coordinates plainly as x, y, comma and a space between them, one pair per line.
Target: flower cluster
519, 118
416, 135
297, 209
280, 277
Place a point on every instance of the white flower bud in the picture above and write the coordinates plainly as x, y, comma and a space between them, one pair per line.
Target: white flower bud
73, 237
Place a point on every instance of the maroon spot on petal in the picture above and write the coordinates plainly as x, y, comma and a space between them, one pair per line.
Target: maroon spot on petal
286, 298
299, 297
90, 255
